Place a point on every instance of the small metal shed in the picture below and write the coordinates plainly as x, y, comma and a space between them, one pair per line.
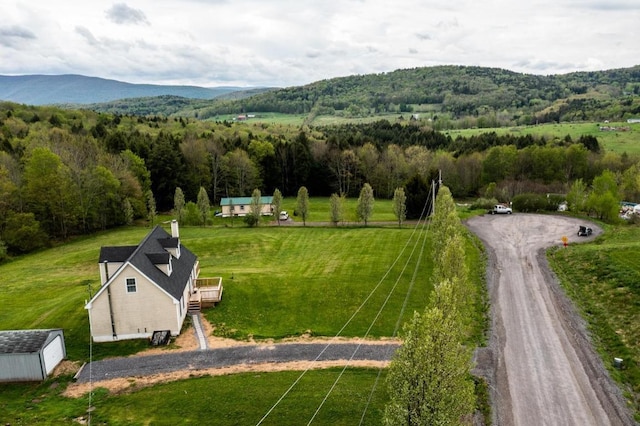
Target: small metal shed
30, 355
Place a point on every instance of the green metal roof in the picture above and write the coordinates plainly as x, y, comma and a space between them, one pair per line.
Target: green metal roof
237, 201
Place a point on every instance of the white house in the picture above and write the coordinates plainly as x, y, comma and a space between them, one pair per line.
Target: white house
241, 206
146, 288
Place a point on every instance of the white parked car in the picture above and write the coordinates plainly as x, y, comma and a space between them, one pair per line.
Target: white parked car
284, 215
500, 209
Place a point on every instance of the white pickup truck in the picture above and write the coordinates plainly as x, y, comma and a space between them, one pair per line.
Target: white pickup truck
500, 209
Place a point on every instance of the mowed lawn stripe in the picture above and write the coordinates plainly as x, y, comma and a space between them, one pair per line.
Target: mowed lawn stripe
279, 281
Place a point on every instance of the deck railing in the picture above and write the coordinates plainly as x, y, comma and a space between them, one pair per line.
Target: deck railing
208, 291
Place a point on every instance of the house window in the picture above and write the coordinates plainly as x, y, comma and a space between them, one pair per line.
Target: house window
131, 285
242, 208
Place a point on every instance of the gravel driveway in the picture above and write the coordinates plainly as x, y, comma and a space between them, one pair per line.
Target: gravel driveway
224, 357
540, 363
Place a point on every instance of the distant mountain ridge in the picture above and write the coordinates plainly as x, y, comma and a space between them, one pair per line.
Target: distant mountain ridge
80, 89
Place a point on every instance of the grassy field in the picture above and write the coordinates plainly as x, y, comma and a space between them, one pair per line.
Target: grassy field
603, 278
238, 399
615, 141
618, 141
279, 281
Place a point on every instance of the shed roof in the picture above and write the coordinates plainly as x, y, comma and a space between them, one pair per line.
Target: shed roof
23, 341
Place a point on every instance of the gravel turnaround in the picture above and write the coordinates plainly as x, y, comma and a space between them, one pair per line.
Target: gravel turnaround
540, 362
225, 357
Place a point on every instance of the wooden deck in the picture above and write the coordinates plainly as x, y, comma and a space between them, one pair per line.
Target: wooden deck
207, 292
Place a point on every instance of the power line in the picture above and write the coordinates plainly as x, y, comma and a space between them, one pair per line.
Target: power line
376, 318
375, 288
401, 314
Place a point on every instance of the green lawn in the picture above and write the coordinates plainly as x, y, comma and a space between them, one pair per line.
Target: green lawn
237, 399
615, 141
279, 281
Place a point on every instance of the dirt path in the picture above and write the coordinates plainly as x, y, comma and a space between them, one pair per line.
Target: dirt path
540, 362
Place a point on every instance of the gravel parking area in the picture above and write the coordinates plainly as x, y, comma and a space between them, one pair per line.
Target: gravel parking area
540, 362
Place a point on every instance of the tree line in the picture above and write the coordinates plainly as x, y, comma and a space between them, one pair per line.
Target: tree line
66, 173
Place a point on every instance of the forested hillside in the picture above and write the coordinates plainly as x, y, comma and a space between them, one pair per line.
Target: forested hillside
448, 96
69, 172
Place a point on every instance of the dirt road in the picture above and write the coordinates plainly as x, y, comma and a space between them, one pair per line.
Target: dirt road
540, 363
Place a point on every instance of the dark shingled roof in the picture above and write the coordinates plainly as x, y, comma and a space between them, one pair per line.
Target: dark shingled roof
22, 341
116, 254
152, 251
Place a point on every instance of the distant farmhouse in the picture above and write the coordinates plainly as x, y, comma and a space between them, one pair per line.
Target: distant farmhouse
241, 206
147, 288
30, 355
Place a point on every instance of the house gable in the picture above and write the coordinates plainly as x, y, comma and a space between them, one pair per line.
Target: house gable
145, 287
152, 258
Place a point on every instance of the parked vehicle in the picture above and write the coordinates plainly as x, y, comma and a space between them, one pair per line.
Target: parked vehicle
284, 215
584, 231
500, 209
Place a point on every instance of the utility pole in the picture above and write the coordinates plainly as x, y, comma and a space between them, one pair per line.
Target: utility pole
433, 191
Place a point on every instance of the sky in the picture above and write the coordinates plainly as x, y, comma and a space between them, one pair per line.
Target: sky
282, 43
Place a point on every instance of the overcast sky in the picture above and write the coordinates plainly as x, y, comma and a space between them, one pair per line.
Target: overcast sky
295, 42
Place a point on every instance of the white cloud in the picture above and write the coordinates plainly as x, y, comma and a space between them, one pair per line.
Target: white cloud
285, 43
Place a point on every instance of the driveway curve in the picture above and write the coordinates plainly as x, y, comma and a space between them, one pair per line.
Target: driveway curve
540, 362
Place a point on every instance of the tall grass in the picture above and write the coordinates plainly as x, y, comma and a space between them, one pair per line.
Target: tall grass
603, 279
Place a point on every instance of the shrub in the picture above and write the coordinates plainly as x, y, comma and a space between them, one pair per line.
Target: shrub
23, 234
192, 214
483, 203
536, 202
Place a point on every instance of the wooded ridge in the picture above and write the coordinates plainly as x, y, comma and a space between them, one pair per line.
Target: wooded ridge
492, 96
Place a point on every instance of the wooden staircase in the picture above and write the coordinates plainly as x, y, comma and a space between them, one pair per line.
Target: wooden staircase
195, 304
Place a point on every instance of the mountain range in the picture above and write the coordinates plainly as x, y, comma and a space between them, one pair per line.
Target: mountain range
484, 97
80, 89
